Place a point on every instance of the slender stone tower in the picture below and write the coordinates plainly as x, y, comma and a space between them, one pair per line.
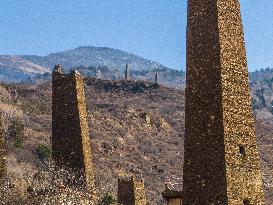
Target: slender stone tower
126, 71
221, 165
3, 168
131, 192
70, 134
156, 77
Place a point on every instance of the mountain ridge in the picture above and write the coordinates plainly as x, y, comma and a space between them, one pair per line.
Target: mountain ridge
96, 56
114, 59
104, 63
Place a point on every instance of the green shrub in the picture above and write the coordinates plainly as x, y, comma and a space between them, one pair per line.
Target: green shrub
18, 142
16, 133
43, 152
108, 199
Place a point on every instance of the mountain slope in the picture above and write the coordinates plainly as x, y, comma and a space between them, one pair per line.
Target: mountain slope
135, 128
16, 69
94, 56
87, 56
21, 64
262, 91
109, 64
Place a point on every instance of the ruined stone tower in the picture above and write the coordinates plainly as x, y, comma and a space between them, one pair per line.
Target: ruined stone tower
3, 168
221, 157
70, 134
131, 192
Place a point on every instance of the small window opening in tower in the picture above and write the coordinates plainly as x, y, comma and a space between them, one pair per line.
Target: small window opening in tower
246, 202
242, 150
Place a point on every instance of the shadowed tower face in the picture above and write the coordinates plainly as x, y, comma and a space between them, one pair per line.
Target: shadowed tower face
221, 163
70, 134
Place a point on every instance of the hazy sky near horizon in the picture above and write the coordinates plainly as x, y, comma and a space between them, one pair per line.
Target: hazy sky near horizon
154, 29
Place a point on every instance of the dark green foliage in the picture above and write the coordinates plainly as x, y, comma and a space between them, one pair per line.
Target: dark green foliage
269, 82
16, 133
43, 152
18, 142
260, 94
108, 199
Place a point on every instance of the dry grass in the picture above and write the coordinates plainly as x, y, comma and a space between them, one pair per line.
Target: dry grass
135, 128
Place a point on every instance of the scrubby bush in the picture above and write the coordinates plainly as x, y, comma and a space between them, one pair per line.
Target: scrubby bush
43, 152
108, 199
15, 133
49, 185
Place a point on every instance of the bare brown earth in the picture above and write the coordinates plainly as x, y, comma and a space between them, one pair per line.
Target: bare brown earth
136, 128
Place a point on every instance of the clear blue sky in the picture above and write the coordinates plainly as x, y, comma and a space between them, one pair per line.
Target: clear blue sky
154, 29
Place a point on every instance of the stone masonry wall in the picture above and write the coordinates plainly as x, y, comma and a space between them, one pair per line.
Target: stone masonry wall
70, 134
140, 194
221, 163
174, 202
131, 192
242, 169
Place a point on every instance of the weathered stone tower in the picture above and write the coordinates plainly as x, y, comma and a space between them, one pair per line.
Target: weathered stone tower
70, 134
3, 168
126, 71
131, 192
156, 77
221, 157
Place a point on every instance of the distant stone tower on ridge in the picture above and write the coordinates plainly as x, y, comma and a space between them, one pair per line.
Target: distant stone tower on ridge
222, 165
131, 192
126, 71
3, 168
70, 134
156, 77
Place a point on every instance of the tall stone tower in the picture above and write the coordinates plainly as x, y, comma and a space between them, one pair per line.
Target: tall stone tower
126, 72
131, 192
3, 168
222, 163
156, 77
70, 134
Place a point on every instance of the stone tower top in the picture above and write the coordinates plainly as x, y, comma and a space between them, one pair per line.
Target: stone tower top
58, 68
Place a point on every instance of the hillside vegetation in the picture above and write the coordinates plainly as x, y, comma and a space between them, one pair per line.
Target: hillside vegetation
136, 128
